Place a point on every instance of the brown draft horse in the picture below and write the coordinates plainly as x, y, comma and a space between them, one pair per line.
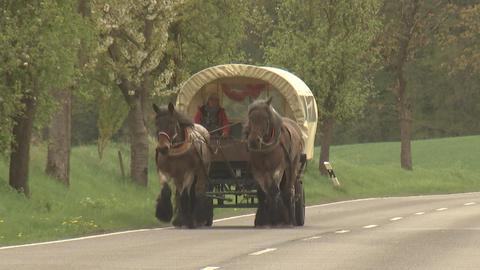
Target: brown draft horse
275, 147
182, 155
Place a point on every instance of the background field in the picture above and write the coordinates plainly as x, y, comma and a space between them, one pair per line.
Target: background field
100, 200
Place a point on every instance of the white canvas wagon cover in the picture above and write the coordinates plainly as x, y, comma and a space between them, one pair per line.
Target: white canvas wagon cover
301, 105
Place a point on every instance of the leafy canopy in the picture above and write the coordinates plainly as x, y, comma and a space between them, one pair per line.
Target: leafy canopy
328, 44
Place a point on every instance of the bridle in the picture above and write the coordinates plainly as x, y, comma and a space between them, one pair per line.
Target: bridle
165, 134
171, 138
265, 144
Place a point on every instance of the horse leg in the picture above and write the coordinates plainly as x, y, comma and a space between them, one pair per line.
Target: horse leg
187, 207
261, 217
184, 210
179, 219
164, 209
275, 206
288, 212
203, 206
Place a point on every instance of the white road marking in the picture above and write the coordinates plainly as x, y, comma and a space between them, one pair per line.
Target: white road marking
419, 213
235, 217
219, 220
396, 218
210, 268
342, 231
85, 237
311, 238
442, 209
370, 226
262, 251
469, 203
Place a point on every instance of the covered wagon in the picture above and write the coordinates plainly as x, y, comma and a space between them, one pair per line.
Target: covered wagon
237, 86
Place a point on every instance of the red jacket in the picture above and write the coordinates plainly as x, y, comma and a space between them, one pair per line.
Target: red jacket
222, 119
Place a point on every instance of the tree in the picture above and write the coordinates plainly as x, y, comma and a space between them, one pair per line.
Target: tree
442, 82
9, 104
329, 45
135, 35
206, 33
38, 39
460, 37
59, 130
407, 25
59, 136
259, 21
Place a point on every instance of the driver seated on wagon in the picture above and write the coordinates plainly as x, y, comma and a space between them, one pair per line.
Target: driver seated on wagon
213, 117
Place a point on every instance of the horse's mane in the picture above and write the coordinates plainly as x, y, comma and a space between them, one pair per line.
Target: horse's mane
183, 120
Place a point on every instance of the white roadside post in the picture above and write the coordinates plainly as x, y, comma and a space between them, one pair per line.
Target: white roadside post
331, 174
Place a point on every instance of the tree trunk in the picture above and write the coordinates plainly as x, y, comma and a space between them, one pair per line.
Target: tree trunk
405, 122
138, 143
404, 106
59, 133
20, 152
137, 127
408, 25
325, 141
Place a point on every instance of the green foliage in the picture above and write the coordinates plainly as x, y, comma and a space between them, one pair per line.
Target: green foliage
133, 39
205, 33
9, 103
84, 119
459, 35
212, 32
112, 113
41, 38
447, 105
39, 41
442, 95
260, 21
328, 45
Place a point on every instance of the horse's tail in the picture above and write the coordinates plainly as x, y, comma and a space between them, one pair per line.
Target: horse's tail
164, 211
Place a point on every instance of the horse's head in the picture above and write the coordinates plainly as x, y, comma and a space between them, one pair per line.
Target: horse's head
263, 123
168, 127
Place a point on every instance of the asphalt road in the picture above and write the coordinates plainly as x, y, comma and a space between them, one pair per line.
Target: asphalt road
430, 232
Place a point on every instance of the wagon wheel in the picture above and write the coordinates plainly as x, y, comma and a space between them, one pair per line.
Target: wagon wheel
209, 206
299, 204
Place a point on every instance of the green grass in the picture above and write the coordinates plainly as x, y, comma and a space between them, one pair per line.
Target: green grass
447, 165
99, 200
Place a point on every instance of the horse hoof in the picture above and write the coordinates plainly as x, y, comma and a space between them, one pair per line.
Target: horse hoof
164, 209
163, 212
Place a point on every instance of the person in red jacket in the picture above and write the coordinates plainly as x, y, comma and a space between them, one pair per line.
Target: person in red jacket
213, 117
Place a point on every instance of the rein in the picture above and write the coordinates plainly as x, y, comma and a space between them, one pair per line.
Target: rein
220, 128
